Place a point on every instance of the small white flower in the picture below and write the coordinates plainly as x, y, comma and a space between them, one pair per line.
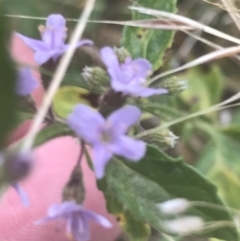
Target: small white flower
184, 225
174, 206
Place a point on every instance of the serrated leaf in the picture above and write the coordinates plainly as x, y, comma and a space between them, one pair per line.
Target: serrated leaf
156, 178
148, 43
52, 131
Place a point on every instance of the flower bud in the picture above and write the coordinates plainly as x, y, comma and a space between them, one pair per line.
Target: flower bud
122, 54
97, 78
184, 225
174, 206
174, 85
74, 189
163, 139
15, 167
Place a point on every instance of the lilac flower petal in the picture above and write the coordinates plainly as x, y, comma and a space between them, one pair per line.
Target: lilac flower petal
110, 59
22, 194
119, 86
98, 218
145, 92
34, 44
79, 227
82, 118
129, 148
42, 57
79, 44
58, 211
144, 67
101, 155
123, 118
55, 21
55, 33
67, 207
26, 83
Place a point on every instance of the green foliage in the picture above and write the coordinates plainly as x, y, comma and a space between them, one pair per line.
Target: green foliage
204, 87
219, 161
148, 43
7, 80
66, 98
52, 131
137, 188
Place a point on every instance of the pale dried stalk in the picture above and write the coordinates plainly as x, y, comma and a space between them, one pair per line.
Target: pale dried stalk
222, 53
231, 10
187, 21
219, 106
58, 76
148, 23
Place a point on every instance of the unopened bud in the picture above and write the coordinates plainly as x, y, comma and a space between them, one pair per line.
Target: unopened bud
174, 206
184, 225
174, 85
15, 167
97, 78
74, 189
122, 54
163, 139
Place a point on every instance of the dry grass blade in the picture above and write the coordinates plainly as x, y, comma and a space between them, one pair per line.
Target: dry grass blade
222, 53
148, 23
187, 21
184, 118
231, 10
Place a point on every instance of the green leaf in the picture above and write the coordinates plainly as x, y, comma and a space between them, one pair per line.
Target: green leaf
67, 97
148, 43
159, 110
76, 79
156, 178
52, 131
7, 80
23, 113
219, 161
204, 87
135, 229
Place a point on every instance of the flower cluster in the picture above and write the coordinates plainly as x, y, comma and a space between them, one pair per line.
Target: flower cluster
107, 134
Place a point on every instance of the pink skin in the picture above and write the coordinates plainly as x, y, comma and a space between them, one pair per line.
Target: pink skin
53, 164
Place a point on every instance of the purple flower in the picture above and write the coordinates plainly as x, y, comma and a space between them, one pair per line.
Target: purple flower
22, 194
16, 167
26, 83
53, 38
77, 219
130, 76
107, 137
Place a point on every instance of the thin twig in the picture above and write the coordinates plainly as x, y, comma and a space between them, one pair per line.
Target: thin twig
58, 76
